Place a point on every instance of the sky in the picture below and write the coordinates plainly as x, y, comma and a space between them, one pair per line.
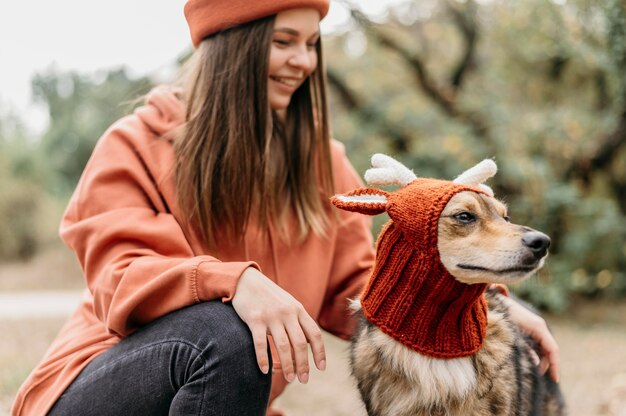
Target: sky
84, 35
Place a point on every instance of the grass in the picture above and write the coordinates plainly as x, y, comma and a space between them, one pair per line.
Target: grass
592, 340
54, 269
22, 346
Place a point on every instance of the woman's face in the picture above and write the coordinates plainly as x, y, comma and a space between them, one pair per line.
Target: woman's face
293, 56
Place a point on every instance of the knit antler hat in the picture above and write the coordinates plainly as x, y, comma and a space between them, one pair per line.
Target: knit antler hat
206, 17
410, 295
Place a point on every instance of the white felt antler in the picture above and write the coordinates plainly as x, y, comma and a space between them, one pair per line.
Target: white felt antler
476, 175
387, 171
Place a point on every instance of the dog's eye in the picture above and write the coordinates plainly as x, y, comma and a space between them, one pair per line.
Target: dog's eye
507, 218
465, 217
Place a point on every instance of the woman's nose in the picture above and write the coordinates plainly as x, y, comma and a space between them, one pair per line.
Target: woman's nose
301, 59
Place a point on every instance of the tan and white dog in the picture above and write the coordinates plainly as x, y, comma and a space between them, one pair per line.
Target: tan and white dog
433, 338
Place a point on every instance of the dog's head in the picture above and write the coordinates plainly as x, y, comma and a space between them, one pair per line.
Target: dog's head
478, 244
470, 229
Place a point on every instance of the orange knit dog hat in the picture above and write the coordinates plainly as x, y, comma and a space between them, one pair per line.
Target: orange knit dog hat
206, 17
410, 295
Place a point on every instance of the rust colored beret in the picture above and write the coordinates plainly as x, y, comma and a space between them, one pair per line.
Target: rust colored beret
206, 17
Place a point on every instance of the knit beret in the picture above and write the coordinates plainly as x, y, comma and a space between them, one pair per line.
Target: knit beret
206, 17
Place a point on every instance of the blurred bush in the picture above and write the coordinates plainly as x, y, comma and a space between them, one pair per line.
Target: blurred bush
81, 108
20, 195
19, 203
38, 174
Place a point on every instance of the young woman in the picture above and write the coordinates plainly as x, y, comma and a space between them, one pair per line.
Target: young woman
203, 226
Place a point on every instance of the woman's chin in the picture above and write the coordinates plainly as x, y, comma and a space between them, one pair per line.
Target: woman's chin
279, 105
279, 100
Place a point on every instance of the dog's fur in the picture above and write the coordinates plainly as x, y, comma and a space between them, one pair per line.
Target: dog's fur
502, 378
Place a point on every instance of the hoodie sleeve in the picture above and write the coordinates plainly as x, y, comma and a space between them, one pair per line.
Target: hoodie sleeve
353, 255
136, 258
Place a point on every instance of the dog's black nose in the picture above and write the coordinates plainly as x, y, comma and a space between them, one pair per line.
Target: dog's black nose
537, 242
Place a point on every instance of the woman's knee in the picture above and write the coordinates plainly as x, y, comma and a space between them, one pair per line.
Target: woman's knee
215, 329
194, 357
228, 359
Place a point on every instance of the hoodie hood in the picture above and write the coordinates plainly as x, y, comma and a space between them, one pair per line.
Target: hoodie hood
163, 110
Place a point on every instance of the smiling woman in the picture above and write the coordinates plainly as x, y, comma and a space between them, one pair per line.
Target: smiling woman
293, 55
233, 69
203, 225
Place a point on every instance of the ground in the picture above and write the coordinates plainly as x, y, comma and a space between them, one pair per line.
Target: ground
592, 338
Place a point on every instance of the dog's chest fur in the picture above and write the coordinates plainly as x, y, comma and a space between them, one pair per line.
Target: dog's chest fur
395, 380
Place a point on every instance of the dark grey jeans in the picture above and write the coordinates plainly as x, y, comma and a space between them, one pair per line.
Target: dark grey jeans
199, 360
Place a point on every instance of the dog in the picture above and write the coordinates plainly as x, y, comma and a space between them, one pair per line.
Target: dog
434, 338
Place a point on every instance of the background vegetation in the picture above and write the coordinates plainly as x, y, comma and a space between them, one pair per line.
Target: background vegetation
440, 84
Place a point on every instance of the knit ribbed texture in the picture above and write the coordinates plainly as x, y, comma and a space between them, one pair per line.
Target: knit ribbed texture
410, 295
206, 17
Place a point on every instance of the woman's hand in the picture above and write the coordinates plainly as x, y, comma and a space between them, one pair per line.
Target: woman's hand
536, 327
268, 309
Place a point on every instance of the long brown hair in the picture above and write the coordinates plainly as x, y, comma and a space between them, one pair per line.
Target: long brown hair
236, 156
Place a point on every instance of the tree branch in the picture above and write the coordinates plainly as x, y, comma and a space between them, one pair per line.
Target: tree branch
399, 140
443, 98
603, 155
609, 146
426, 82
465, 20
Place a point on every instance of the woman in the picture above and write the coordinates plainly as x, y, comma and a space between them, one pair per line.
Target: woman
202, 225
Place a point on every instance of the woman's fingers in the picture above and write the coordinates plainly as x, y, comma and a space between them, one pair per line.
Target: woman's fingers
547, 344
259, 337
550, 353
535, 326
299, 347
314, 336
283, 348
266, 308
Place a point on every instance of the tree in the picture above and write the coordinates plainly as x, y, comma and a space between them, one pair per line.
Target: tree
81, 108
21, 193
538, 85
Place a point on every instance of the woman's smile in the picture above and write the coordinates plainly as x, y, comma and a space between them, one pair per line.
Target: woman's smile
293, 54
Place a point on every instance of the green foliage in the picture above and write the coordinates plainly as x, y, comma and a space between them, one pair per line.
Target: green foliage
81, 108
543, 92
37, 174
616, 36
20, 201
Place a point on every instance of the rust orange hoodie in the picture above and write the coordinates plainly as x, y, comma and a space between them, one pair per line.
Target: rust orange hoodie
140, 262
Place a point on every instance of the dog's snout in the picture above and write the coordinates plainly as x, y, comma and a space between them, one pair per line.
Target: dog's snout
537, 242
